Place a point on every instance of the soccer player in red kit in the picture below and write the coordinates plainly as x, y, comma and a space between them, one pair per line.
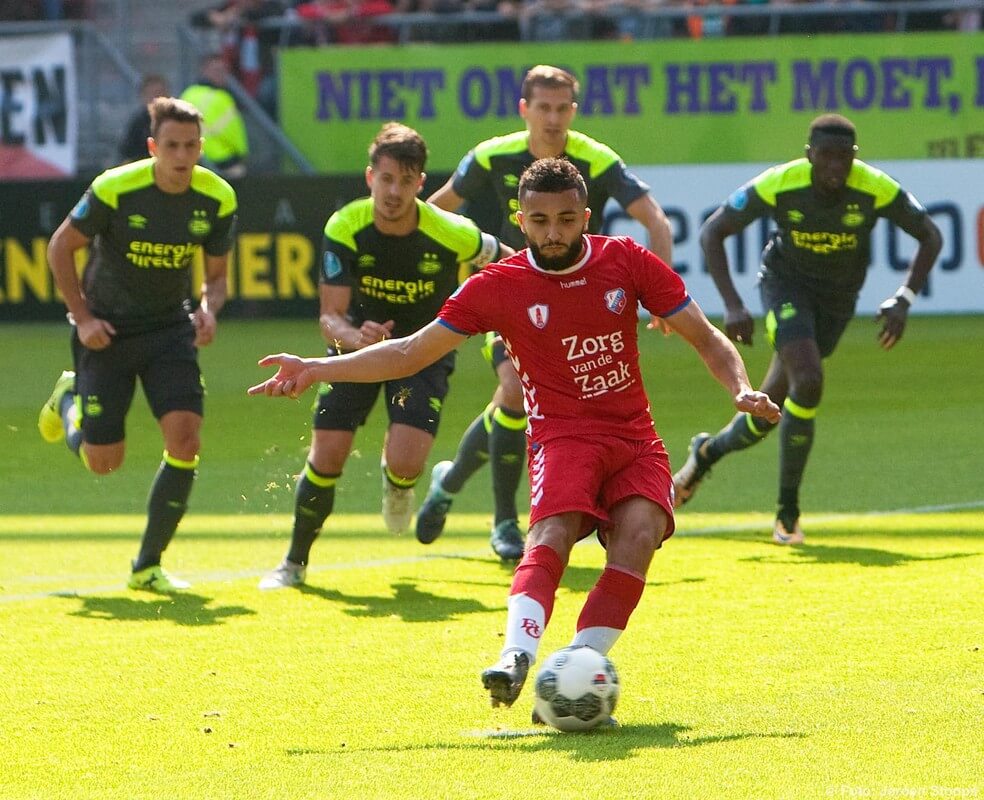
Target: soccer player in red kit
566, 308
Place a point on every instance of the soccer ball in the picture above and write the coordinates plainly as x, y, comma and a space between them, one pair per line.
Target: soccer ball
576, 689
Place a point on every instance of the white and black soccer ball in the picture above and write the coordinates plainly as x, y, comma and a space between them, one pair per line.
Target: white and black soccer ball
576, 689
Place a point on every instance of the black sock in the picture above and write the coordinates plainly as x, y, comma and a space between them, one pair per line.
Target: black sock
473, 452
787, 509
314, 499
166, 506
73, 433
796, 430
743, 431
507, 446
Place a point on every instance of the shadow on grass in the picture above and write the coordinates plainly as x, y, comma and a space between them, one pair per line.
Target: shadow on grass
408, 603
181, 609
607, 744
839, 554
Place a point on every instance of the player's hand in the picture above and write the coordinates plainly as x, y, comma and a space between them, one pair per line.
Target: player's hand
892, 314
739, 325
373, 332
294, 376
758, 404
661, 325
95, 333
205, 326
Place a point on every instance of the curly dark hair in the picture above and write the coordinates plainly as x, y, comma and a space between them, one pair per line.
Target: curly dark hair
552, 175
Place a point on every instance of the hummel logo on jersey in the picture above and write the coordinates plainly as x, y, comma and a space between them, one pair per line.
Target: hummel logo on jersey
615, 300
367, 261
511, 181
795, 216
788, 311
138, 221
572, 284
538, 315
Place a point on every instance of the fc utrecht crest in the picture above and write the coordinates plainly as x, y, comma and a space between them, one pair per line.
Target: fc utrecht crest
615, 300
538, 315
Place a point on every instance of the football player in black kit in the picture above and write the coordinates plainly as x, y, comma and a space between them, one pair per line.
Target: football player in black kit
824, 206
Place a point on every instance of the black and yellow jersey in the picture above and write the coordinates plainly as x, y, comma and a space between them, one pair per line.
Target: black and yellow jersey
138, 274
494, 167
822, 242
402, 278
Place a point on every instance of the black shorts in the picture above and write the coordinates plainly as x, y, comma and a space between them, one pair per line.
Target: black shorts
794, 312
415, 401
165, 360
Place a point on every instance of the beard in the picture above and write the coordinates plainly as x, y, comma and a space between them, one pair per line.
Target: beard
558, 263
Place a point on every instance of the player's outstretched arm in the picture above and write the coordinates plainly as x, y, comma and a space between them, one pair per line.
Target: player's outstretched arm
393, 358
723, 361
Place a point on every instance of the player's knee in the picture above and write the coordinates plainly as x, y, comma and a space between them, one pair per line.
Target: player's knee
101, 462
807, 389
184, 446
634, 546
553, 532
510, 395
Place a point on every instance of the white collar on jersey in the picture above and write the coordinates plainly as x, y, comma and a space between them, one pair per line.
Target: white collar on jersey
573, 268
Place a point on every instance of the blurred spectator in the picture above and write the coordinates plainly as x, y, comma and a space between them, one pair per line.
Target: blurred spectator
15, 11
750, 25
248, 43
226, 145
37, 10
703, 26
441, 30
628, 20
799, 23
966, 19
506, 29
348, 21
133, 145
554, 20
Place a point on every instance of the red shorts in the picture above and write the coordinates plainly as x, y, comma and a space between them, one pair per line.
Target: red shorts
592, 475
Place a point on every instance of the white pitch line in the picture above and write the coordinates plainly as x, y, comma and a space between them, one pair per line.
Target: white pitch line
221, 577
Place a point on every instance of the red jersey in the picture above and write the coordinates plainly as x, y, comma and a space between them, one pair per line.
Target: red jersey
573, 335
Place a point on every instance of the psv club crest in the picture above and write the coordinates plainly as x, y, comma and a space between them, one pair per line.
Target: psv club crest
538, 315
615, 300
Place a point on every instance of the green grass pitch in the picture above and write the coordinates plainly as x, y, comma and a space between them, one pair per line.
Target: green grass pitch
851, 667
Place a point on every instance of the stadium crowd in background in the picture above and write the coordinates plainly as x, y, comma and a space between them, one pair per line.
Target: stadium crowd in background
248, 32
